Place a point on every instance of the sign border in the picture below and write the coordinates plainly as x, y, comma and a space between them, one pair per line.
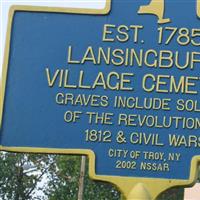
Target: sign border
153, 186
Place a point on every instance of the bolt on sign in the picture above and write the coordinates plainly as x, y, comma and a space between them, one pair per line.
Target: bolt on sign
120, 85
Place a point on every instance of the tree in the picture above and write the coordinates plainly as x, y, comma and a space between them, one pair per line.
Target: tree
172, 194
64, 179
20, 174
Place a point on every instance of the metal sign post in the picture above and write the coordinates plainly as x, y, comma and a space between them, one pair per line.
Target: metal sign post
119, 84
81, 179
139, 192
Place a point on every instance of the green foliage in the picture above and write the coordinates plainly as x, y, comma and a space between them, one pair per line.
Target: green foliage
64, 179
172, 194
99, 190
19, 182
16, 182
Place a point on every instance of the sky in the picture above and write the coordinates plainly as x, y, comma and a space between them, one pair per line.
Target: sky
5, 5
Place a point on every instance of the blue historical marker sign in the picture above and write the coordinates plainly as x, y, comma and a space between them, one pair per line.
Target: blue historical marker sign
124, 85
